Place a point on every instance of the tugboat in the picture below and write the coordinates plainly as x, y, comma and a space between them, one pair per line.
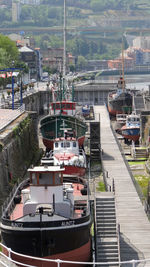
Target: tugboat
47, 218
120, 101
131, 130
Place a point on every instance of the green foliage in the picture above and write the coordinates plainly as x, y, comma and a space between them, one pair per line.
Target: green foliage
5, 16
143, 182
131, 163
18, 130
101, 187
82, 62
1, 146
8, 51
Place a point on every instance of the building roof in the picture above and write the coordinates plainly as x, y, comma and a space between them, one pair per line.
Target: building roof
25, 49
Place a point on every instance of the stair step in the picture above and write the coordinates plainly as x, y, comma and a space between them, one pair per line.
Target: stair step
106, 229
107, 241
107, 223
108, 249
108, 232
101, 215
108, 259
107, 246
110, 206
106, 216
108, 235
106, 207
105, 200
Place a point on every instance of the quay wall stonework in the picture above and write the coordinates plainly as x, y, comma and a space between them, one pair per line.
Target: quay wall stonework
19, 144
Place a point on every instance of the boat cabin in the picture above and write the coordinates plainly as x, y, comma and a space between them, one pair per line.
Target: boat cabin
121, 118
121, 83
46, 189
133, 120
64, 107
68, 144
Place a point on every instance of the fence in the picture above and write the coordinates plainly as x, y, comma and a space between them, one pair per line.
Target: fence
7, 261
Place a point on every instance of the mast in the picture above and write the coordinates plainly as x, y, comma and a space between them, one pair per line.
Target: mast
123, 83
64, 31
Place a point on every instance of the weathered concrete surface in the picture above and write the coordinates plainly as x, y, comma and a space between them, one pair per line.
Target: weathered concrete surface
18, 149
134, 224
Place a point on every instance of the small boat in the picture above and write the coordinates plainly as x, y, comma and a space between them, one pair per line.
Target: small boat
120, 101
86, 110
131, 130
47, 218
120, 121
66, 153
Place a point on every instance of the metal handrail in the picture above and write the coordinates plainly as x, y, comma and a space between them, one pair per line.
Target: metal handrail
58, 261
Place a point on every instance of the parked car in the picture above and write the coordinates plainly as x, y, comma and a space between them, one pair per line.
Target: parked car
9, 86
45, 79
33, 80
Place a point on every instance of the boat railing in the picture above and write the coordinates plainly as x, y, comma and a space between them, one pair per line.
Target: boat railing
81, 152
49, 155
7, 258
9, 202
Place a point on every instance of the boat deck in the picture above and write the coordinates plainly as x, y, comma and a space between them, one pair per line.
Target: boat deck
17, 213
134, 223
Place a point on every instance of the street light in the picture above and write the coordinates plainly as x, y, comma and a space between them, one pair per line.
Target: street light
12, 69
21, 98
13, 95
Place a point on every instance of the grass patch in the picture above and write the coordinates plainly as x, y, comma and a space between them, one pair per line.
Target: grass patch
143, 183
136, 162
101, 187
92, 230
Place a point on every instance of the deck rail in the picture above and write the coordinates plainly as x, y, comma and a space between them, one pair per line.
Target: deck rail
6, 260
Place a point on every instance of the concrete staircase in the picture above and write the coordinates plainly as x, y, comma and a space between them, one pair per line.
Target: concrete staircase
138, 152
107, 248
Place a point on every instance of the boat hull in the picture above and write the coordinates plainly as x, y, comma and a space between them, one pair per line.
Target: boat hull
63, 240
82, 254
74, 170
131, 134
53, 127
120, 104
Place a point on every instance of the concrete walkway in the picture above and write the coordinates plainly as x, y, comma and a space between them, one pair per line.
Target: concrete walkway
134, 224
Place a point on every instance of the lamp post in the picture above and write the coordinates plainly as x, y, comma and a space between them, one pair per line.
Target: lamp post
13, 95
21, 98
12, 69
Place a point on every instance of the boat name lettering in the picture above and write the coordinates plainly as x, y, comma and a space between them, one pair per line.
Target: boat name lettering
67, 223
17, 224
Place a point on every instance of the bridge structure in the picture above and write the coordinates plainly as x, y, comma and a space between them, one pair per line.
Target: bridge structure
75, 30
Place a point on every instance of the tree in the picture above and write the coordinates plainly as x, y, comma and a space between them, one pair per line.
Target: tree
99, 5
9, 47
82, 62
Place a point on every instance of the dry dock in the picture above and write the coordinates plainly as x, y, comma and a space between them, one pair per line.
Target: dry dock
130, 214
